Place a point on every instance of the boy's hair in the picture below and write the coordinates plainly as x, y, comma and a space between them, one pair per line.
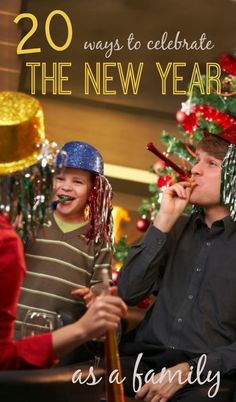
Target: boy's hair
214, 145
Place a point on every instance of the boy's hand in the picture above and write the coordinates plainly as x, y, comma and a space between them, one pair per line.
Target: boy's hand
86, 294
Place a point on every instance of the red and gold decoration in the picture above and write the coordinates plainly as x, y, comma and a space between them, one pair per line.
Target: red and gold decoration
100, 207
205, 112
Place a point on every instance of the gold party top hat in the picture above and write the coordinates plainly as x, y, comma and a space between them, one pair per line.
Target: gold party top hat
26, 163
21, 131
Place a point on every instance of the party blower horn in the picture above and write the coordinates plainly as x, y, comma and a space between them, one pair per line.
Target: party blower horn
114, 389
182, 174
62, 200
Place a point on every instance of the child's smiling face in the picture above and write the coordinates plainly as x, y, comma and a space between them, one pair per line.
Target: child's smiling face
76, 185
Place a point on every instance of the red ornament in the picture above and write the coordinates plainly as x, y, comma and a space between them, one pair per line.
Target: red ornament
228, 63
159, 165
114, 276
165, 181
145, 303
181, 116
190, 123
142, 224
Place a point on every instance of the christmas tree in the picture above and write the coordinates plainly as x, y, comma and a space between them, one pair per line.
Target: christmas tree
200, 113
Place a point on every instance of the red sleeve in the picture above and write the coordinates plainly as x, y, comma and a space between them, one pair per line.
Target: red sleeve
31, 352
28, 352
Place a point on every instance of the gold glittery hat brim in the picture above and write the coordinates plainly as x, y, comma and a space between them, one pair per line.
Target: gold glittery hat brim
21, 131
